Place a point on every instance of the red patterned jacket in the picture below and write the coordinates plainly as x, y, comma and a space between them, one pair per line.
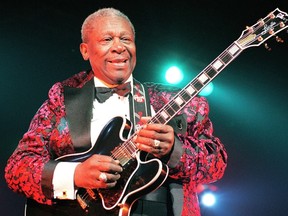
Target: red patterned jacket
30, 168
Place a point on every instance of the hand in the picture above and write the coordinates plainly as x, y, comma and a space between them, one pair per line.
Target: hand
156, 139
98, 171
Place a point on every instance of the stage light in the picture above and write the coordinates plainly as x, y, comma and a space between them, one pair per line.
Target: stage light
173, 75
208, 199
207, 90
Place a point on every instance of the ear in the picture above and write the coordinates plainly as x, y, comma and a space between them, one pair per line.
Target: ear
84, 51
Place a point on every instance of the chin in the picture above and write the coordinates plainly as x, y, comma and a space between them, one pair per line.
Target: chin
120, 80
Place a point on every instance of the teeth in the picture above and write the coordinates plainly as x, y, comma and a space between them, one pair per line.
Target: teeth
118, 61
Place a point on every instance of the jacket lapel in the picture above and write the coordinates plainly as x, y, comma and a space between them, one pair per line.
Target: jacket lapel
78, 105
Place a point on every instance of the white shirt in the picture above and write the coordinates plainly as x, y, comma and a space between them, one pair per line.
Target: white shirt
63, 178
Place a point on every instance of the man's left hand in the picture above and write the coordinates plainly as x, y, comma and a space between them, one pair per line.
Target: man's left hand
156, 139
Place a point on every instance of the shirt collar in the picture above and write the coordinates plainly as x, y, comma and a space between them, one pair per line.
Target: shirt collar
98, 83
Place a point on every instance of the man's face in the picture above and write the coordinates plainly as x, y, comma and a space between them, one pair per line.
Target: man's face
111, 49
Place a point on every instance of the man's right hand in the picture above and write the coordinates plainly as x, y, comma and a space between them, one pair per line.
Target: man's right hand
98, 171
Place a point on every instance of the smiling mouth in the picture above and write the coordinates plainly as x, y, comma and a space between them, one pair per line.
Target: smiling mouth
118, 61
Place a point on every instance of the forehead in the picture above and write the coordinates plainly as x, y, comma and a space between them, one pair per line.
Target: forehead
112, 24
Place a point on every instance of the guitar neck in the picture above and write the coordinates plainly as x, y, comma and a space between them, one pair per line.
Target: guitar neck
273, 23
183, 97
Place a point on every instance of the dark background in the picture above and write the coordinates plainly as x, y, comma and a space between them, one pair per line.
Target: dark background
39, 42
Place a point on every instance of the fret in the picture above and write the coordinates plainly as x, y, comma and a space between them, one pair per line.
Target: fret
170, 110
159, 119
227, 58
175, 106
210, 72
197, 85
185, 95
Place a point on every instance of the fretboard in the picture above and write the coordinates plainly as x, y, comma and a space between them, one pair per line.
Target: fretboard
183, 97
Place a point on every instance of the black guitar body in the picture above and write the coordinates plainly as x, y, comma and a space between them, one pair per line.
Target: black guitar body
137, 179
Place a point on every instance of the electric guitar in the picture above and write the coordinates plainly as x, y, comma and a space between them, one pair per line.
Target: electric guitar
140, 177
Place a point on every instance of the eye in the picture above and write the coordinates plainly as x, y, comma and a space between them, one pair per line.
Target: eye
107, 39
126, 39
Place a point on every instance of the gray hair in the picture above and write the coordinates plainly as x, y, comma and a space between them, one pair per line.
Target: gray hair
104, 12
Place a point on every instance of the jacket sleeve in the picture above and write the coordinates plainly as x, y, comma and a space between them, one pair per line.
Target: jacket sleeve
24, 170
204, 157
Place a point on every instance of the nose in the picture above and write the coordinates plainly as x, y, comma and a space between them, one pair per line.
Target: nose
118, 46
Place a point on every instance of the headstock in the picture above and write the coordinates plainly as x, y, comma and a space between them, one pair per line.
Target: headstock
275, 22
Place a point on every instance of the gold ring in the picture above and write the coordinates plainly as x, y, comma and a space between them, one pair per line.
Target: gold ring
156, 143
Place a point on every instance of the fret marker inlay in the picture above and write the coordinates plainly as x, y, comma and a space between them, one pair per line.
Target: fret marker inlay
190, 90
217, 64
164, 114
203, 78
233, 49
179, 101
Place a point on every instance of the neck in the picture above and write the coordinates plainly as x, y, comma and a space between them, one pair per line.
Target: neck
109, 85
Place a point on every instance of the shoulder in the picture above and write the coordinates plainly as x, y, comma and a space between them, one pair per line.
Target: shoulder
78, 80
160, 87
75, 81
160, 94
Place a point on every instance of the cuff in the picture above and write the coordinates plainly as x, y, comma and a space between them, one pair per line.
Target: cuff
176, 153
63, 180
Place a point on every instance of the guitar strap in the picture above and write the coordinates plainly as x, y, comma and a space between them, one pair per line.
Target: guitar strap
139, 104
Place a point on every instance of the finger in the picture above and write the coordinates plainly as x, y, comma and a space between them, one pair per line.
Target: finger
145, 119
102, 177
104, 158
110, 168
106, 180
157, 143
112, 177
154, 140
145, 141
157, 152
160, 128
101, 184
106, 164
146, 148
106, 185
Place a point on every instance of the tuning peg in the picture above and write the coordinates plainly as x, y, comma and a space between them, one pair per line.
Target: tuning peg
279, 40
267, 47
249, 29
